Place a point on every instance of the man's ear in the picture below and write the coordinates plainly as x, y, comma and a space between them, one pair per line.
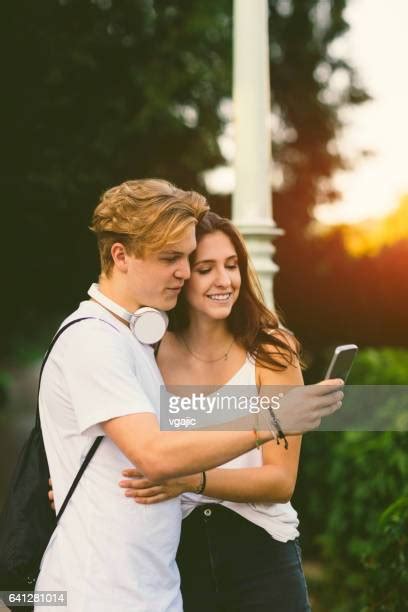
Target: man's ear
120, 256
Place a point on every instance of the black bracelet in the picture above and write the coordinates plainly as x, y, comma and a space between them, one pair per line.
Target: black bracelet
201, 488
279, 433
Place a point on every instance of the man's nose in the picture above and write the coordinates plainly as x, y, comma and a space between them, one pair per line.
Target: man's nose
183, 270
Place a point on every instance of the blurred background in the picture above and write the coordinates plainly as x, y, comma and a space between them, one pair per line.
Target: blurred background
99, 91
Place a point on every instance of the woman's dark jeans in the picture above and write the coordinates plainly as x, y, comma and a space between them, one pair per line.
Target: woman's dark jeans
228, 564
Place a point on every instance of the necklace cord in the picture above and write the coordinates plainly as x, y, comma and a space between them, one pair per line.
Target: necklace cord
224, 356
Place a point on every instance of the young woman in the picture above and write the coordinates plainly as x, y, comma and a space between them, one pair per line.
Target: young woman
239, 549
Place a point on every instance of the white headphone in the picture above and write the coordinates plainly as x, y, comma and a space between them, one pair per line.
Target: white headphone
148, 325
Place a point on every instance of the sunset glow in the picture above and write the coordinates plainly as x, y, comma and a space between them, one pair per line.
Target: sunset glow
378, 46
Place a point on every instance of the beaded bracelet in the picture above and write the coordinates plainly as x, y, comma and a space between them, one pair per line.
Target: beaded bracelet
260, 427
200, 489
279, 433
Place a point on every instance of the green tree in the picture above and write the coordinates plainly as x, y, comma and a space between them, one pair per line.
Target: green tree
352, 497
100, 90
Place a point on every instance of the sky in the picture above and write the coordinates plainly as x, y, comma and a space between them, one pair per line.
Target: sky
377, 45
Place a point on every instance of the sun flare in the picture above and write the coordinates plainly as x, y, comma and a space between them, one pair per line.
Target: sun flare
370, 237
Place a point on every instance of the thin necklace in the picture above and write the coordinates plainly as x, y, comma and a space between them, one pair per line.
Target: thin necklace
224, 356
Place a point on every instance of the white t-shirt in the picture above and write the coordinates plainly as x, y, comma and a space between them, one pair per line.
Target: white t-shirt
107, 552
279, 520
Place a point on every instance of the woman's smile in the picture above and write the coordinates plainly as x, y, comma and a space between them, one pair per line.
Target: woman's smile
220, 297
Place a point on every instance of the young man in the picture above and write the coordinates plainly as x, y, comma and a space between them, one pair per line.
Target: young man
107, 552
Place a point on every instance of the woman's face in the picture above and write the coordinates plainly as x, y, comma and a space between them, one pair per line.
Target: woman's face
215, 279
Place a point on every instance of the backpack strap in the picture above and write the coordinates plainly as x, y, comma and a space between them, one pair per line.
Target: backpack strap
47, 354
81, 470
96, 442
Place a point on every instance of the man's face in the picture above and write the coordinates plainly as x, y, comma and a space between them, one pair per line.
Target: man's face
157, 279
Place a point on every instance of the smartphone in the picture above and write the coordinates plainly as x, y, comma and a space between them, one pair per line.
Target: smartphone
342, 361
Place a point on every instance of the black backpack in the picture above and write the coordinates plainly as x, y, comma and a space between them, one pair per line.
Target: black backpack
27, 520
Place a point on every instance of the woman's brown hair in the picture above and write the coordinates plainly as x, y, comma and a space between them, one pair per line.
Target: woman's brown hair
252, 324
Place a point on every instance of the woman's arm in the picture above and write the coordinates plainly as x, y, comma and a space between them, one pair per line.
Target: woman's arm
275, 481
270, 483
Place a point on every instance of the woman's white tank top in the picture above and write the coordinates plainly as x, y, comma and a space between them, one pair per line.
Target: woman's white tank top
279, 520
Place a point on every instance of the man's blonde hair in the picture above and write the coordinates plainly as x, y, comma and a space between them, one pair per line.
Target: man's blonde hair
145, 216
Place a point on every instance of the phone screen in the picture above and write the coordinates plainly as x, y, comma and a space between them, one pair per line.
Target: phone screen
342, 361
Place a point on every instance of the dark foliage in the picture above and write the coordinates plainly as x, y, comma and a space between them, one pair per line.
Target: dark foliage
96, 91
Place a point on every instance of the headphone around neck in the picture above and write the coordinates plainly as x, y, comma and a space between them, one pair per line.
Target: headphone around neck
148, 325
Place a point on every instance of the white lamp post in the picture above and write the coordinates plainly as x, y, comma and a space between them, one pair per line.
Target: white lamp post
252, 199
